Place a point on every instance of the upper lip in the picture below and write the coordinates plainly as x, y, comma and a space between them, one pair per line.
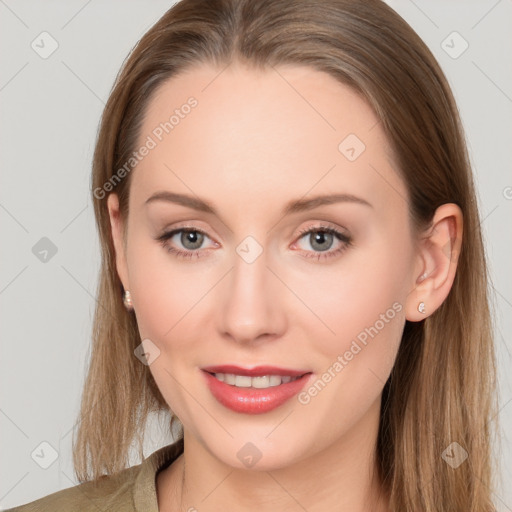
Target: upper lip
256, 371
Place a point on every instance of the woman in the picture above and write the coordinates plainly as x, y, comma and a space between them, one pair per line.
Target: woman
292, 267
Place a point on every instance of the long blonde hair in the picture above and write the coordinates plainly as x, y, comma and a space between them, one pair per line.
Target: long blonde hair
442, 388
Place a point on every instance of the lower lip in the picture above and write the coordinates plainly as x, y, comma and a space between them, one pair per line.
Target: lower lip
254, 400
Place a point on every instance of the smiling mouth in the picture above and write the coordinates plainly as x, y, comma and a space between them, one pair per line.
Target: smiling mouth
255, 390
260, 382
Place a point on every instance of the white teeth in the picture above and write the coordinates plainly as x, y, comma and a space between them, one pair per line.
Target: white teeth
274, 380
242, 381
229, 378
262, 382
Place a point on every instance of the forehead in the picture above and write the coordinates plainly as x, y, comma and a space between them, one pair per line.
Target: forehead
267, 135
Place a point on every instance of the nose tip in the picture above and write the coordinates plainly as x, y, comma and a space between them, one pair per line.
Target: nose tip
251, 309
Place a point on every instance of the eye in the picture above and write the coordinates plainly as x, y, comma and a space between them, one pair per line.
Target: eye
190, 238
322, 238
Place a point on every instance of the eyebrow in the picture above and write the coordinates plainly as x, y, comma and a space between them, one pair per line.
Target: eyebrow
295, 206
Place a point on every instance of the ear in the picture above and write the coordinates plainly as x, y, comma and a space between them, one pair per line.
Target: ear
439, 249
117, 228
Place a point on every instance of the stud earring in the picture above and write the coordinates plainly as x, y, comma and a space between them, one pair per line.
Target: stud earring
127, 300
422, 277
421, 307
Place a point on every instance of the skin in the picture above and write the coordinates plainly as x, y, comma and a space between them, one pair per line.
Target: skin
255, 141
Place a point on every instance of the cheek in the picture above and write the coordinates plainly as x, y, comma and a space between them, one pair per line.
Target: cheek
354, 357
361, 305
362, 322
171, 298
352, 295
167, 299
158, 288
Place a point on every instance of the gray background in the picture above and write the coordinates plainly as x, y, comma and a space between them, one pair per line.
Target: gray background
50, 109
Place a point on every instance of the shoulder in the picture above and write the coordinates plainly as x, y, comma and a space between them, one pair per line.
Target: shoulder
106, 493
132, 489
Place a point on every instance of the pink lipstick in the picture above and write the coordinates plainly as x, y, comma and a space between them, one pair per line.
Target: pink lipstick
254, 390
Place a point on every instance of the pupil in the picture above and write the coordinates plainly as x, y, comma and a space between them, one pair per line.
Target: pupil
319, 237
191, 239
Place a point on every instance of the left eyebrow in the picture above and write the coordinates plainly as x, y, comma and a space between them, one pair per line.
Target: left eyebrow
295, 206
301, 205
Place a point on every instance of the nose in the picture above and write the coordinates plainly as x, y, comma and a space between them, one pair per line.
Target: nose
253, 306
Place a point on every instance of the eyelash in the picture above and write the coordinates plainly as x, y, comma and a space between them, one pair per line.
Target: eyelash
347, 241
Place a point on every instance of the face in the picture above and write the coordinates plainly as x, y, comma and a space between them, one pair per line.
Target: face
317, 287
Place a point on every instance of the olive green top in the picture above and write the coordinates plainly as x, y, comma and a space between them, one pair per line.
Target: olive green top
130, 490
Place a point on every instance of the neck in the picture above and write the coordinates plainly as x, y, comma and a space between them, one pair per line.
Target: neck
342, 477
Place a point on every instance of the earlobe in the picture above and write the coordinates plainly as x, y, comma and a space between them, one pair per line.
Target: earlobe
117, 230
439, 250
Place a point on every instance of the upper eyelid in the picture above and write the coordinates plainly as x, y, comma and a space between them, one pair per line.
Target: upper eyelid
324, 225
